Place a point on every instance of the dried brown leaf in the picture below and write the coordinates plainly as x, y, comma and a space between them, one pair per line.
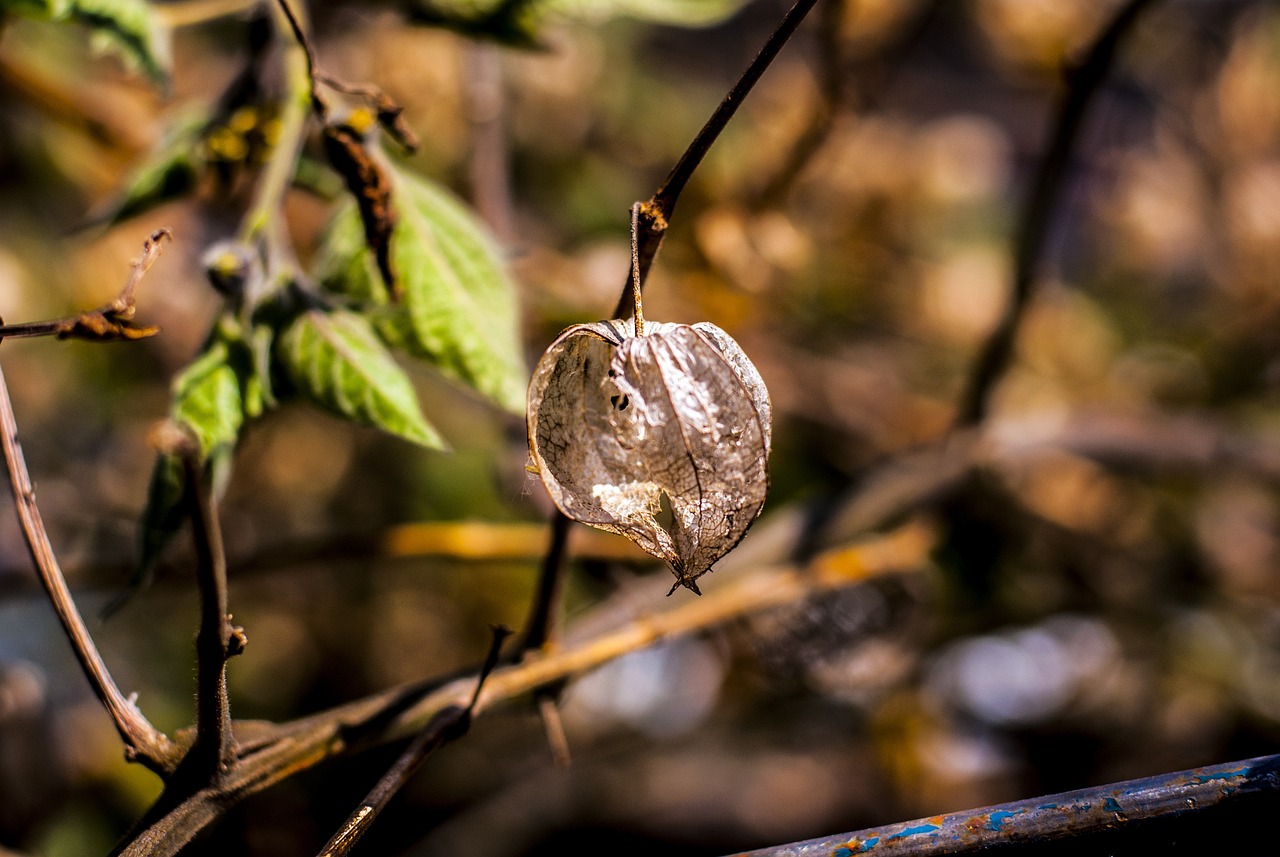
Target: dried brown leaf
620, 423
368, 183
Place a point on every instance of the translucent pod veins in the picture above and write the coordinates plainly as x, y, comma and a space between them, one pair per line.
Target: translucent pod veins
663, 438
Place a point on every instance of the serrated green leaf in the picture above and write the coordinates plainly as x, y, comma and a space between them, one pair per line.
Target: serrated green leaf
208, 398
337, 360
458, 309
125, 26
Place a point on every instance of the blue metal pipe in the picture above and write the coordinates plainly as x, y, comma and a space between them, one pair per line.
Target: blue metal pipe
1045, 819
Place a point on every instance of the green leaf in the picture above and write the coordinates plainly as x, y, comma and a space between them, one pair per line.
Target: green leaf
680, 13
162, 517
516, 21
48, 10
125, 26
508, 22
337, 360
164, 514
170, 171
458, 310
208, 398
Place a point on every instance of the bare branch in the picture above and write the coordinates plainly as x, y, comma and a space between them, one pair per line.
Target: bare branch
449, 724
832, 94
110, 322
278, 752
218, 640
837, 90
488, 170
653, 216
1083, 82
388, 113
318, 105
385, 109
540, 628
143, 742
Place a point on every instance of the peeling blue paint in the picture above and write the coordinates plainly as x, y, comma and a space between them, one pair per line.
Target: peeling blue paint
862, 847
998, 818
1081, 812
914, 831
1221, 775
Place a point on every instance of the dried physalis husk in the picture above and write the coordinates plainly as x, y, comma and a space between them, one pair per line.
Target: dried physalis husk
629, 431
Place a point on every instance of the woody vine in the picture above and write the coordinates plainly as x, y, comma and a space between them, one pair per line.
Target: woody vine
657, 431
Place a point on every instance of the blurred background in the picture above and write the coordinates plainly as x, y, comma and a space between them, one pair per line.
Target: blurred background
1102, 602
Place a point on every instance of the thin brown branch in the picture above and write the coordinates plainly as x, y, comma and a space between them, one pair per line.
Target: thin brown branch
447, 725
143, 742
637, 287
1083, 82
832, 95
112, 321
281, 751
318, 105
541, 626
654, 215
553, 728
841, 84
387, 112
218, 640
487, 167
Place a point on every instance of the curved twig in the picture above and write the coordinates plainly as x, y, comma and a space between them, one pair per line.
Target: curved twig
274, 753
1083, 82
653, 216
447, 725
143, 742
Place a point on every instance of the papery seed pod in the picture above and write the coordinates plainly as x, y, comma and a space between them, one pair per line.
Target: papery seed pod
620, 423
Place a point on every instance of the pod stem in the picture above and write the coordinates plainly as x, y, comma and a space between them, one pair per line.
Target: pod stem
636, 285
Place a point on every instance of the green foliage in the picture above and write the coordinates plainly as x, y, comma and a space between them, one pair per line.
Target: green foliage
208, 398
170, 171
124, 26
337, 360
162, 517
458, 310
680, 13
516, 22
211, 399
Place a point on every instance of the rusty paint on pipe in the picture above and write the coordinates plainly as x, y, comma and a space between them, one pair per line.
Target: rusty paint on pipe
1052, 816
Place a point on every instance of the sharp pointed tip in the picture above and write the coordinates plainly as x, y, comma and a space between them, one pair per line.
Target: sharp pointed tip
687, 582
